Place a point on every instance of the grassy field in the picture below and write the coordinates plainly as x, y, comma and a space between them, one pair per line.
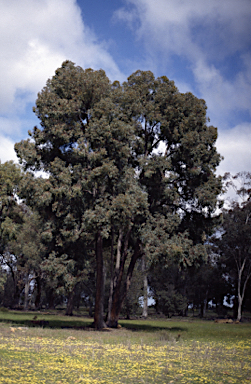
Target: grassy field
151, 351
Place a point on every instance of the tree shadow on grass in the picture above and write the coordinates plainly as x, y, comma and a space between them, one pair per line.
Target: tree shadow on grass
49, 323
151, 328
45, 321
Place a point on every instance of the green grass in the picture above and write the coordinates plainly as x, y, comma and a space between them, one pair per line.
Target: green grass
142, 351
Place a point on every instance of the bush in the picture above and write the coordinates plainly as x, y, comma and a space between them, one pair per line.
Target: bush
3, 309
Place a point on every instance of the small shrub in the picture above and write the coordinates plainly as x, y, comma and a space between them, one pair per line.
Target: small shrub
3, 309
165, 336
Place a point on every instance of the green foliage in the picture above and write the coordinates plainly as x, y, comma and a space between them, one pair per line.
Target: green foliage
167, 285
108, 190
10, 179
59, 273
131, 305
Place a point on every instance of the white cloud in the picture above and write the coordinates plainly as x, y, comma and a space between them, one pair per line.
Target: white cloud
206, 34
234, 146
7, 150
9, 126
210, 36
36, 37
178, 19
223, 96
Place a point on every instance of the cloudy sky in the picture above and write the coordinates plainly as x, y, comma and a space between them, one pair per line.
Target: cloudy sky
204, 46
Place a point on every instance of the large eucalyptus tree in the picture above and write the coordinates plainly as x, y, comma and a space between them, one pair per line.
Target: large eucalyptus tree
108, 189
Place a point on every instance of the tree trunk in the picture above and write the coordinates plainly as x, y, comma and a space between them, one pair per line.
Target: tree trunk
50, 299
242, 293
17, 289
115, 275
240, 296
70, 303
205, 304
38, 294
239, 313
118, 297
112, 277
99, 322
145, 281
202, 308
117, 280
235, 307
26, 291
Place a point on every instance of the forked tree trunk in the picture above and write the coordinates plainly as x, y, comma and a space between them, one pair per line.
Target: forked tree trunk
118, 296
115, 274
241, 292
117, 278
99, 322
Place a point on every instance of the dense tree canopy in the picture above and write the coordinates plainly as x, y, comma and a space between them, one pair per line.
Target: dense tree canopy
109, 191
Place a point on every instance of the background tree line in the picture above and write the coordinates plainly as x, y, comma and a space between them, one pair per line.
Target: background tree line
113, 211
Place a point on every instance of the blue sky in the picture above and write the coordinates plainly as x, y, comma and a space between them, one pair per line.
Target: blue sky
204, 46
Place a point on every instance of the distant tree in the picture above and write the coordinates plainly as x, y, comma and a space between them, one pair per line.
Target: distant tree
11, 218
132, 303
10, 178
167, 285
247, 301
145, 287
204, 283
28, 252
234, 244
3, 280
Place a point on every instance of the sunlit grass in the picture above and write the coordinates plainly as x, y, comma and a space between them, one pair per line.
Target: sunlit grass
144, 352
